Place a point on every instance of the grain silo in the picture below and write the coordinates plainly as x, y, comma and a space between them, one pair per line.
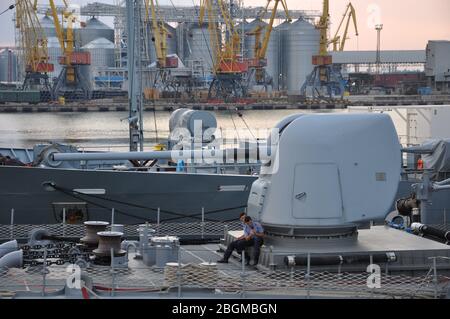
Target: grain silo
102, 55
54, 52
199, 46
95, 29
250, 39
48, 26
171, 42
8, 66
276, 56
302, 42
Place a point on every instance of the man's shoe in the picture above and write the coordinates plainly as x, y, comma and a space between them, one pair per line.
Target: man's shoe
222, 261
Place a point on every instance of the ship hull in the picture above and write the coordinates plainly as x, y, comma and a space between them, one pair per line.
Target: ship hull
135, 196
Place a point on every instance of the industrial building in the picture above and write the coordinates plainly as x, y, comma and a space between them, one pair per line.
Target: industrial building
437, 66
292, 44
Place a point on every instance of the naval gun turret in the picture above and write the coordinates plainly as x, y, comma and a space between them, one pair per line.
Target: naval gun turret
331, 177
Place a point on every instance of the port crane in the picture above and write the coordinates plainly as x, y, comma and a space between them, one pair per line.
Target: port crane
339, 41
257, 65
164, 62
70, 83
325, 81
230, 69
33, 45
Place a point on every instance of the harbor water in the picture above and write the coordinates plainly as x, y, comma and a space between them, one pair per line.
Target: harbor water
109, 130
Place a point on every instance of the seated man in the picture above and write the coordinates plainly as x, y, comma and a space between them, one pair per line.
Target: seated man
253, 236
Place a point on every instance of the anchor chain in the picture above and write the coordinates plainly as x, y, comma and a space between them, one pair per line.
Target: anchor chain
53, 254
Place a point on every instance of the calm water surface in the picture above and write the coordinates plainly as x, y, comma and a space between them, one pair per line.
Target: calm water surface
107, 131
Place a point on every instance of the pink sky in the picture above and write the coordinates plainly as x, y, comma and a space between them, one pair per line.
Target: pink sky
408, 24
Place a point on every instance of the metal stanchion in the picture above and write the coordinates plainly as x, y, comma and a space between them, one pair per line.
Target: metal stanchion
308, 275
112, 216
44, 272
435, 280
64, 223
11, 230
158, 220
202, 224
243, 274
113, 274
179, 273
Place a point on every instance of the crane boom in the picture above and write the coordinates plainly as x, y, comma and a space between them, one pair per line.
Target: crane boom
260, 48
57, 24
160, 33
32, 38
229, 67
339, 41
225, 55
323, 25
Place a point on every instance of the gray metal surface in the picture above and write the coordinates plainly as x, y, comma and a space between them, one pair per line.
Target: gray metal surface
95, 29
302, 42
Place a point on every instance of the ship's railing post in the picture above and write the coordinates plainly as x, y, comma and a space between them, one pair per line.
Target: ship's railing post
435, 280
44, 272
11, 228
179, 274
113, 274
112, 216
308, 276
158, 220
64, 223
371, 263
243, 274
202, 224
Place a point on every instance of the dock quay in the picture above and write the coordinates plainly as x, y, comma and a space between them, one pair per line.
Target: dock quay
111, 105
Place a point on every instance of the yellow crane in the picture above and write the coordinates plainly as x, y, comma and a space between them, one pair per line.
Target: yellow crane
259, 62
325, 81
33, 45
338, 41
70, 83
229, 66
160, 35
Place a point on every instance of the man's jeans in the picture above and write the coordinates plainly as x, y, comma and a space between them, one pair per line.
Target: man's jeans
241, 244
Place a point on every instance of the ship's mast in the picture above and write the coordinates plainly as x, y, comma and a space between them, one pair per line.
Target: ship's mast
134, 75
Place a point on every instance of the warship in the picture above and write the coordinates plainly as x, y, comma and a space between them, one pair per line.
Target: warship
317, 203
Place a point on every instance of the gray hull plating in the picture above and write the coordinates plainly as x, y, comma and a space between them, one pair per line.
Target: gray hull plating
135, 196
